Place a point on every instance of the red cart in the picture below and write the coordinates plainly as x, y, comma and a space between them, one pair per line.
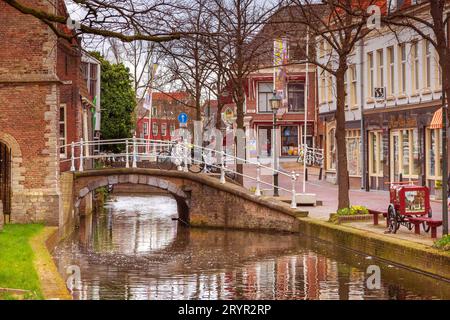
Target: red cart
407, 202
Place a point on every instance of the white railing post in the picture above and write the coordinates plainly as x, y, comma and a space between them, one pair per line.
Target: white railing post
72, 157
294, 193
127, 156
134, 152
185, 168
258, 179
80, 168
222, 168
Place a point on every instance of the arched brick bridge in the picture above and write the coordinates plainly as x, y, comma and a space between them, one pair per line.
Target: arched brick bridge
202, 200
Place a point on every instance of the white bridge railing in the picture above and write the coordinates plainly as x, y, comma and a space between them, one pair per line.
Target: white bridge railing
134, 151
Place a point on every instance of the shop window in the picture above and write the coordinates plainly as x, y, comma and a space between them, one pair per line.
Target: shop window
264, 141
353, 151
289, 141
434, 153
265, 92
296, 97
376, 153
404, 154
331, 149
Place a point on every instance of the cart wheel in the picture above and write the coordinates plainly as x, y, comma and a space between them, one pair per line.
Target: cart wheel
392, 220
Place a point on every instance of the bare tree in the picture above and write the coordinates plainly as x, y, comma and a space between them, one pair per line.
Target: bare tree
128, 20
341, 24
237, 47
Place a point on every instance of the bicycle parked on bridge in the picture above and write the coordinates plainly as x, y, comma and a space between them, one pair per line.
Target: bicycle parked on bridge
173, 157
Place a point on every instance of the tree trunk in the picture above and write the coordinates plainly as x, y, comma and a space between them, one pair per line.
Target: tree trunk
342, 169
240, 125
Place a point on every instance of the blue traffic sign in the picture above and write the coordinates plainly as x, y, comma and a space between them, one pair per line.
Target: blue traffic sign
182, 117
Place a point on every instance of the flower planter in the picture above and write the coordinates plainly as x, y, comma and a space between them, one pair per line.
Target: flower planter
350, 218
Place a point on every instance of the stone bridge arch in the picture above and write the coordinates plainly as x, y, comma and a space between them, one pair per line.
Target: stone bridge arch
86, 185
202, 200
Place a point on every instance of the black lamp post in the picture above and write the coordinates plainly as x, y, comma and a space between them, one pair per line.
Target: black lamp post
275, 103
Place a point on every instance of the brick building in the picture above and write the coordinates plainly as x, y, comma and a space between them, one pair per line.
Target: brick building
41, 106
166, 107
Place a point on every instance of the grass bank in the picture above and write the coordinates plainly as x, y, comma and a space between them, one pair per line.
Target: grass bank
17, 269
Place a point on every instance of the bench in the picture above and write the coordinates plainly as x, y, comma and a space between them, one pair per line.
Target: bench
375, 214
433, 224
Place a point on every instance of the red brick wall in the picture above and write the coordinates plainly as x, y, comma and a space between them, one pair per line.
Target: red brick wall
29, 100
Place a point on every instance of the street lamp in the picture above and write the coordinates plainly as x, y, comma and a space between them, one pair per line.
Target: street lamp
275, 103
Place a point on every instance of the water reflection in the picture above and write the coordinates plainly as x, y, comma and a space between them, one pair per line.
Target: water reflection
134, 250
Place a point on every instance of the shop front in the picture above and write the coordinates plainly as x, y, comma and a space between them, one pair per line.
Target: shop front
289, 138
401, 146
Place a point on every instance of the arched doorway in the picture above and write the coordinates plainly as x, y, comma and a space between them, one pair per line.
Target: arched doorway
5, 178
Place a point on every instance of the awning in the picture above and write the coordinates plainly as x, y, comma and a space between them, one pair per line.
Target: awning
436, 122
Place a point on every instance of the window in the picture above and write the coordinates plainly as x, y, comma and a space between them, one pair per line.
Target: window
85, 70
154, 112
404, 154
322, 48
331, 149
376, 153
172, 129
346, 90
427, 63
62, 129
380, 75
289, 141
93, 80
434, 153
145, 128
322, 87
154, 129
296, 97
353, 101
163, 129
391, 71
437, 72
402, 50
265, 92
415, 65
370, 74
353, 147
330, 88
264, 141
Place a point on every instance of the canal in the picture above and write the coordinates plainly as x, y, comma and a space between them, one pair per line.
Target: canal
133, 249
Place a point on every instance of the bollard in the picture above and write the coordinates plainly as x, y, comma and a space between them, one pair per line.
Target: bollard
320, 173
258, 180
127, 156
80, 168
294, 193
222, 170
72, 158
306, 174
134, 152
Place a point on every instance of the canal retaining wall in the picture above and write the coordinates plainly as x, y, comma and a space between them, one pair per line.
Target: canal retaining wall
420, 257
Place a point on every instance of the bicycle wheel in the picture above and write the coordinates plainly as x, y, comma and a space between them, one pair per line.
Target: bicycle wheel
164, 161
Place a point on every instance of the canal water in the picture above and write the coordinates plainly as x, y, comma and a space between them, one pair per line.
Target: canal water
132, 249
